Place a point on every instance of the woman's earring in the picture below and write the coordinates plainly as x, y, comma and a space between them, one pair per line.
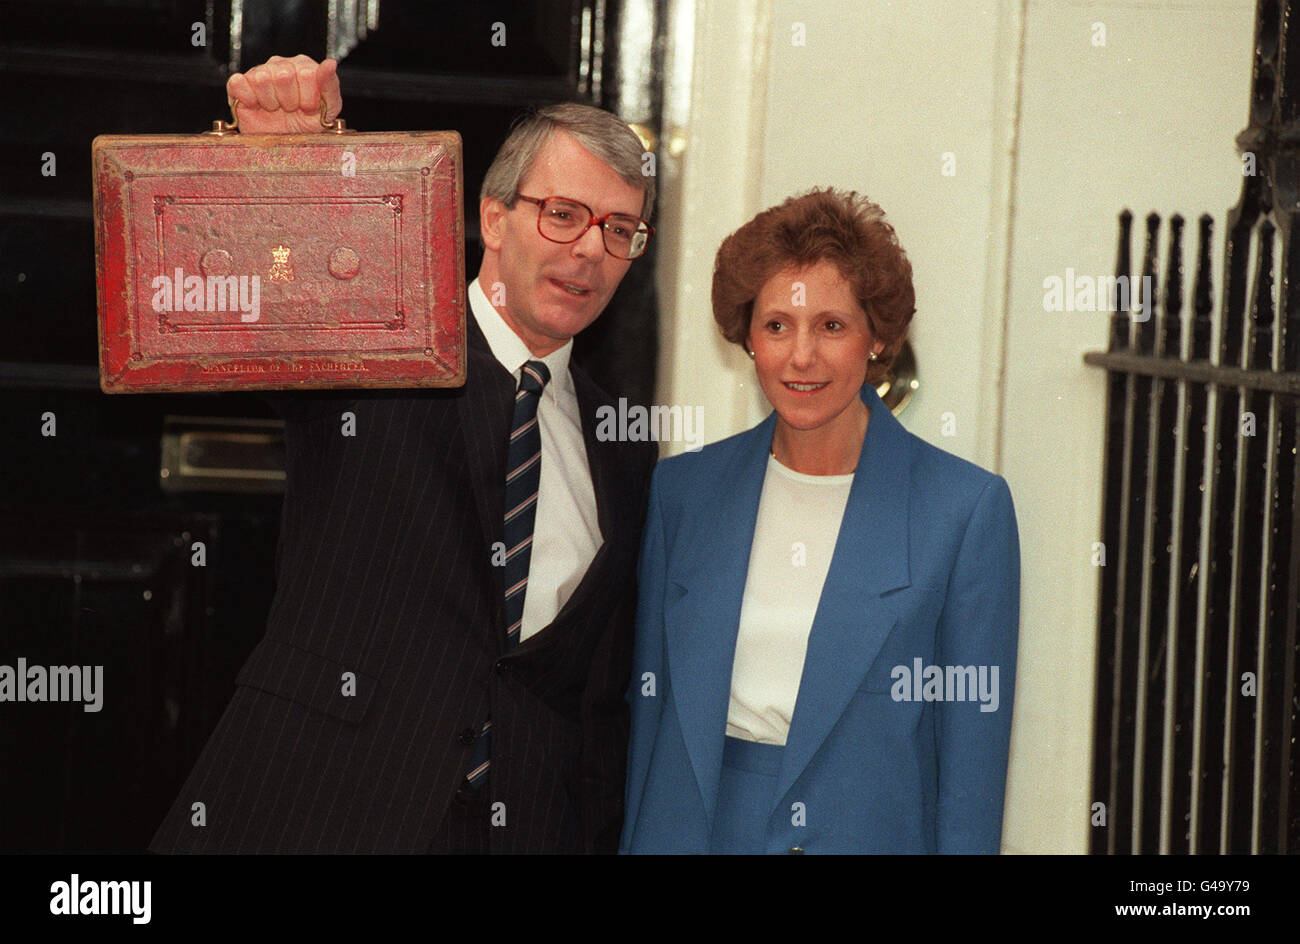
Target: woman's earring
874, 356
751, 354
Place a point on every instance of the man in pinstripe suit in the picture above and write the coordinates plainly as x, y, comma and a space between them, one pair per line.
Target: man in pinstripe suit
408, 647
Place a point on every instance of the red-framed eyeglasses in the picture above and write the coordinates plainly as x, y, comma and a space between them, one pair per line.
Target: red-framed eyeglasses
562, 220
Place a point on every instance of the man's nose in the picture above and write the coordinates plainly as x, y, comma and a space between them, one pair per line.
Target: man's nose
591, 244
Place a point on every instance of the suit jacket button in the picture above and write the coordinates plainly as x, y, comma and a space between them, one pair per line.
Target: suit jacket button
795, 850
502, 667
468, 736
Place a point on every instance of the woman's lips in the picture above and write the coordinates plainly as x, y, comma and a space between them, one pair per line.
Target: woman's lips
805, 389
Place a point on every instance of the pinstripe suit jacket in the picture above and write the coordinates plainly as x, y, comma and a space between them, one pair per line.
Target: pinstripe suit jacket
385, 572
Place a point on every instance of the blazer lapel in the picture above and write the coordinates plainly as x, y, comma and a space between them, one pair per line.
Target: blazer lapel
852, 622
702, 613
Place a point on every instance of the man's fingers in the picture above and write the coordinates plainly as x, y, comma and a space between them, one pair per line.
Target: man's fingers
238, 90
327, 83
264, 86
308, 100
285, 79
293, 87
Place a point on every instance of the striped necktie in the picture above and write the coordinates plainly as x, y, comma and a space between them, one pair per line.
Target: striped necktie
523, 476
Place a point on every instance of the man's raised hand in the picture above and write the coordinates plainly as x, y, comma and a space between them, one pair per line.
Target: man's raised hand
283, 96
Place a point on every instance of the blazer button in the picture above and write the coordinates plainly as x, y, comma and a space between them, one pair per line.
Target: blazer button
502, 667
795, 850
468, 736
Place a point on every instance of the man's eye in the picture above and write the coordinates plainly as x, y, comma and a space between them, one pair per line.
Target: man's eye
562, 215
622, 227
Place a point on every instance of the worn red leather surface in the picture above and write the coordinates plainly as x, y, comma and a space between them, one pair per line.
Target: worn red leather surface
279, 261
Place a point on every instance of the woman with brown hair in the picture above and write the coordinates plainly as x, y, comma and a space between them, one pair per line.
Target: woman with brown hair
828, 612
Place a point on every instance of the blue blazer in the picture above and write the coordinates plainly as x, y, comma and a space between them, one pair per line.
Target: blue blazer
881, 756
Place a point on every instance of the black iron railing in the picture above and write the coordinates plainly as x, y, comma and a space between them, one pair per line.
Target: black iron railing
1196, 702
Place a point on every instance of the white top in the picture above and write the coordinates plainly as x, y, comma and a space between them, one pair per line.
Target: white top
566, 534
794, 539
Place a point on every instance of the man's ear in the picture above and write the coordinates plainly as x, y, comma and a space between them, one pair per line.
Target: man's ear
491, 222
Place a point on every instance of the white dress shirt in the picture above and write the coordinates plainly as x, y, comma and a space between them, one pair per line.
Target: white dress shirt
798, 524
566, 534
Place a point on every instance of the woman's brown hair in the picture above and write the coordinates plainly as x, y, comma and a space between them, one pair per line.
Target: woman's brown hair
845, 229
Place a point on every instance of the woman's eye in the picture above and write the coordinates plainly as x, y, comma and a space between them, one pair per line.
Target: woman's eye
835, 325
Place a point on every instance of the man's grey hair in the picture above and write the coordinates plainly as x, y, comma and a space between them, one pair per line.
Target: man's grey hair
605, 135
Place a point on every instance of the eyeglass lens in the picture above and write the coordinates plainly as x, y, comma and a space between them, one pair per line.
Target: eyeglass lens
565, 221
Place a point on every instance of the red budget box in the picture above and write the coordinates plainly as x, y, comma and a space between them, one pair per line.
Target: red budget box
252, 262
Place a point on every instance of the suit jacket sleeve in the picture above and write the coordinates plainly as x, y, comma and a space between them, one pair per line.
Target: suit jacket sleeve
647, 661
979, 627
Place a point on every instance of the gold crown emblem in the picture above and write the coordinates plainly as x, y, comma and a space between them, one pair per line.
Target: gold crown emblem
281, 270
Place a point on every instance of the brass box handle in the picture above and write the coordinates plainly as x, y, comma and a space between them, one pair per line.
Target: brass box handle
220, 128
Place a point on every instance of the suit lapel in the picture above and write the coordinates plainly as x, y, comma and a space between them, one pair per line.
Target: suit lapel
486, 406
852, 622
702, 612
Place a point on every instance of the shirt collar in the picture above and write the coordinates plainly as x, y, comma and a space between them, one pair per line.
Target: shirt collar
508, 348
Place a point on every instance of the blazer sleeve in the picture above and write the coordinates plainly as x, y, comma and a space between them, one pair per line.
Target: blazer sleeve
647, 688
979, 627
